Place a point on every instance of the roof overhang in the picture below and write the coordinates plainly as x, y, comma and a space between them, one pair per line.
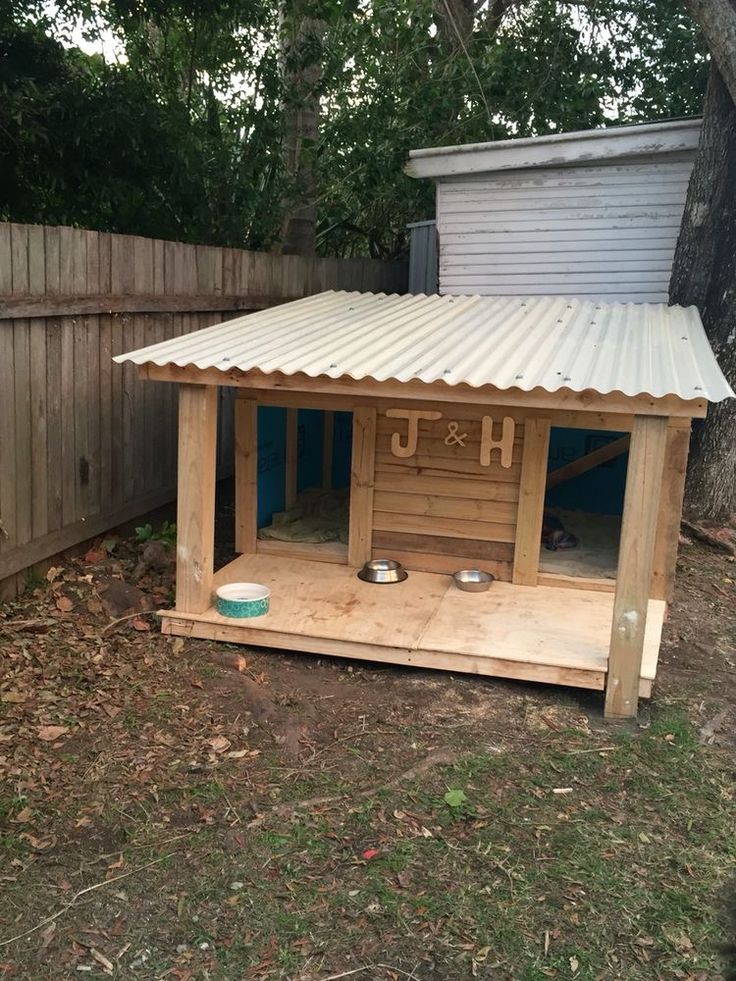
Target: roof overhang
509, 349
557, 150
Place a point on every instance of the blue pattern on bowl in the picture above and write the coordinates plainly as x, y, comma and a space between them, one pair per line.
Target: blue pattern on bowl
241, 609
241, 601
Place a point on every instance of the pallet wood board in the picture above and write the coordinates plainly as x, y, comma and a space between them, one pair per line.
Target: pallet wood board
551, 635
444, 491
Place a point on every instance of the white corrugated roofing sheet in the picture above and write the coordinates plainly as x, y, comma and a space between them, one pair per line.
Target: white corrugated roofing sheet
509, 342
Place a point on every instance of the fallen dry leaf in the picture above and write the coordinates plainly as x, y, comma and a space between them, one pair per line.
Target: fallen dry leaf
39, 844
219, 744
22, 816
64, 604
49, 734
140, 625
13, 697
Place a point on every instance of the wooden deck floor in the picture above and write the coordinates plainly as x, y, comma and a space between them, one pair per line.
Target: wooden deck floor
548, 634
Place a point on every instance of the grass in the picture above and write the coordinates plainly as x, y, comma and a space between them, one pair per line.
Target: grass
563, 862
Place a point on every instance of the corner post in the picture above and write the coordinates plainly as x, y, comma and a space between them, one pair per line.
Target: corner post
635, 564
246, 473
195, 515
292, 452
530, 512
328, 442
670, 512
362, 478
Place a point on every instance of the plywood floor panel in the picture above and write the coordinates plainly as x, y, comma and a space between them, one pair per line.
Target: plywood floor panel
323, 600
548, 634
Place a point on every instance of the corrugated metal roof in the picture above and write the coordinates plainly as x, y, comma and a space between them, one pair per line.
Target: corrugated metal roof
508, 342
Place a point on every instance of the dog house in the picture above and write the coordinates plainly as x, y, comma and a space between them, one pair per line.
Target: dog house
452, 399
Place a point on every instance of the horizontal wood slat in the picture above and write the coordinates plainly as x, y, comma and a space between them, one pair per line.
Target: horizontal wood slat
420, 483
460, 466
445, 507
485, 531
498, 551
75, 306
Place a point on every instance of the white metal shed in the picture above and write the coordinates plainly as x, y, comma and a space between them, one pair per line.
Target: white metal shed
590, 214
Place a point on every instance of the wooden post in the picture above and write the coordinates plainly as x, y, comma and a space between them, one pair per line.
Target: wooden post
362, 471
195, 517
328, 444
635, 563
292, 448
670, 513
531, 501
246, 473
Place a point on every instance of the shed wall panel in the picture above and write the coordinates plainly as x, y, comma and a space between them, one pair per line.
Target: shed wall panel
601, 231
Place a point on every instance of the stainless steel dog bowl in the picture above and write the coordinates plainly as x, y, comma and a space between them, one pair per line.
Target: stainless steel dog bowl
383, 571
473, 580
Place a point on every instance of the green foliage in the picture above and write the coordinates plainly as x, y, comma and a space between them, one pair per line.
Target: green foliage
147, 533
182, 137
455, 799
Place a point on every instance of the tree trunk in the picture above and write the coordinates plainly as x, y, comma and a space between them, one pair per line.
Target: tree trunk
454, 20
704, 274
301, 77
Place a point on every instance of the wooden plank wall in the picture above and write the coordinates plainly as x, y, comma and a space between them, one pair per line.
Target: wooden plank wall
441, 510
85, 444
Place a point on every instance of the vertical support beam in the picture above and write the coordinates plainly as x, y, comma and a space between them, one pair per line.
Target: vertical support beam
246, 473
635, 564
292, 448
195, 515
670, 513
328, 444
531, 501
362, 473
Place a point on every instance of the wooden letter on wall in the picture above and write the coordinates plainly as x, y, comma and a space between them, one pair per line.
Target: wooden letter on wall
412, 417
505, 444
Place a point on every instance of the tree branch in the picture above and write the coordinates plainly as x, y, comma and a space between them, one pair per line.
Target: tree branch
717, 21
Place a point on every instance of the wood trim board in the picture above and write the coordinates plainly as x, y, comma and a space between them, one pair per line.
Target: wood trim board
537, 398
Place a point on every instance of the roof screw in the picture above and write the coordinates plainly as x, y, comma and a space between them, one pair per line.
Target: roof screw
683, 338
447, 371
697, 388
333, 366
226, 359
519, 376
592, 323
567, 378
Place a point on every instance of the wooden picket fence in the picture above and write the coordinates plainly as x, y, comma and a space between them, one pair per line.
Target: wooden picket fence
85, 445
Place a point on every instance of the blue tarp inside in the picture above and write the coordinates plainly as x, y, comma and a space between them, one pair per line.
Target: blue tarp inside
598, 491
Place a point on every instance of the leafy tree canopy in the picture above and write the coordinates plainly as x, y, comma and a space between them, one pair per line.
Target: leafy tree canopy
181, 137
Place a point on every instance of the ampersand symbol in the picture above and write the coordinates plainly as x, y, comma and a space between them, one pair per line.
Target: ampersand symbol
452, 438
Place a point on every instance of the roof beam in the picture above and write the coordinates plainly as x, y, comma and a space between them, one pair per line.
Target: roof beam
537, 398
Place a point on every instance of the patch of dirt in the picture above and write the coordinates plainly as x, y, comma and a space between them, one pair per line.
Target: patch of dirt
697, 665
114, 738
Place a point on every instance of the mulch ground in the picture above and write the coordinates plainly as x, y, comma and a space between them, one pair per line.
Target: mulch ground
191, 810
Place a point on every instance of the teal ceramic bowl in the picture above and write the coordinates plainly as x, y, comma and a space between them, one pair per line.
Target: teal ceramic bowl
243, 600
